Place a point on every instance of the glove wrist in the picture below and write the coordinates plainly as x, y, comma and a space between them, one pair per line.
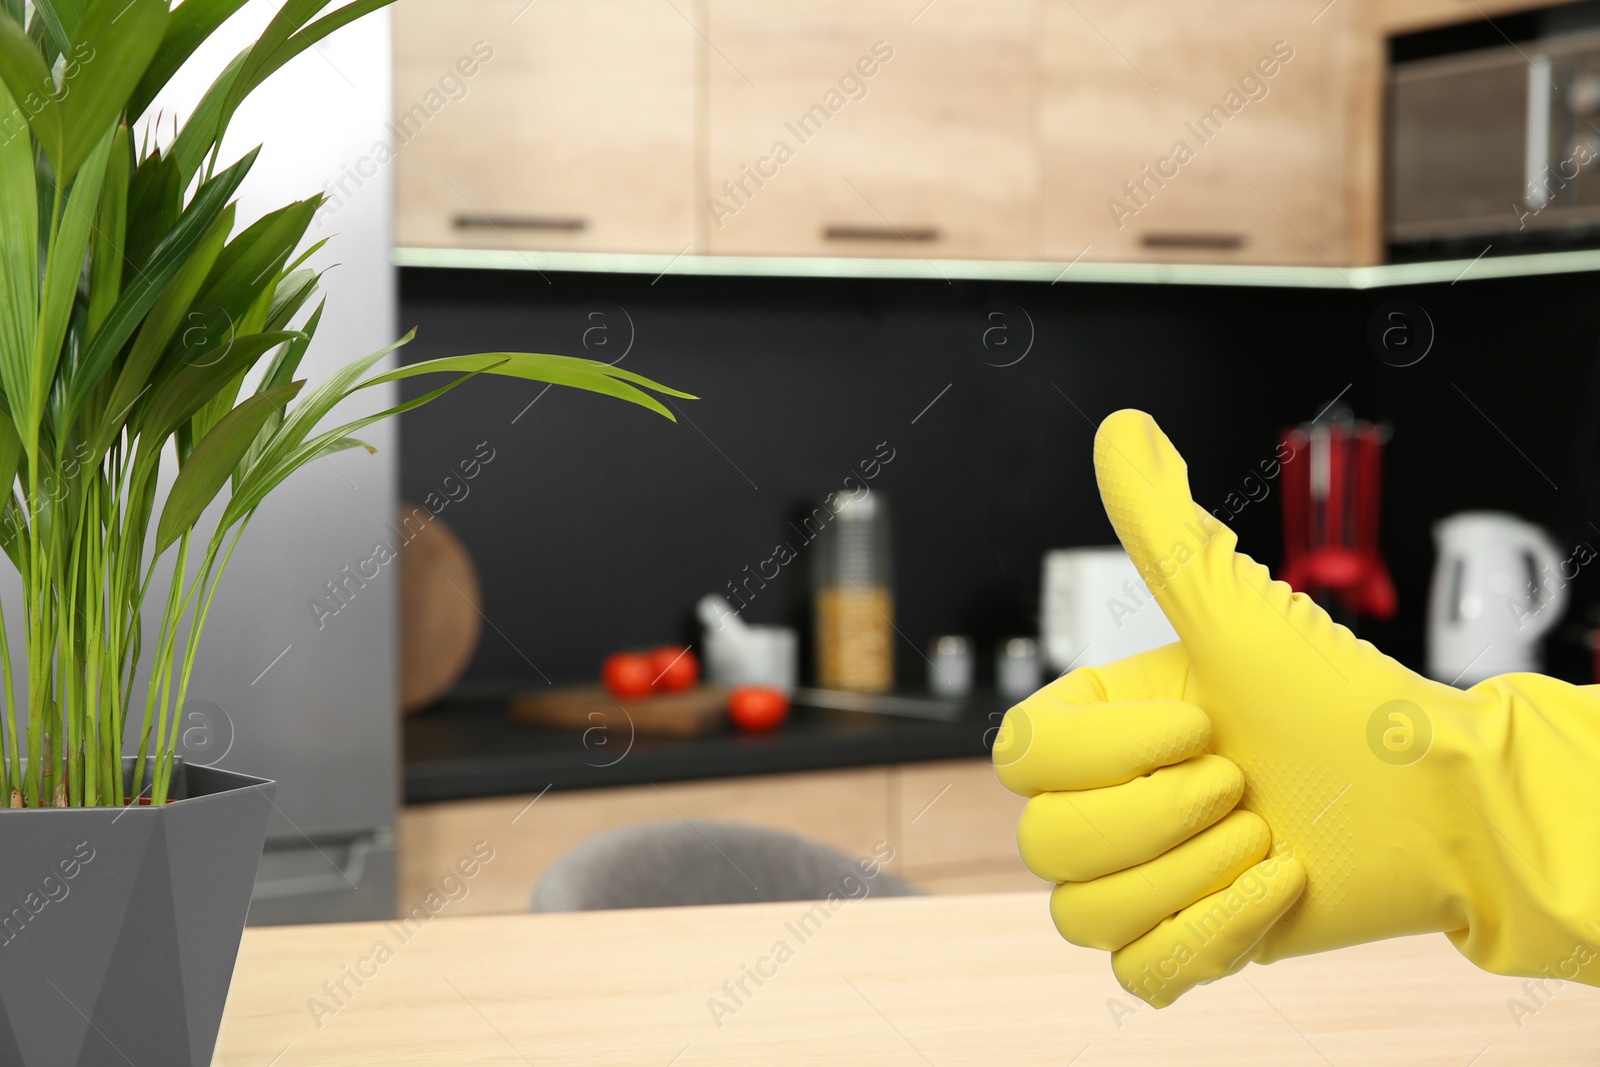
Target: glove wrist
1405, 803
1523, 756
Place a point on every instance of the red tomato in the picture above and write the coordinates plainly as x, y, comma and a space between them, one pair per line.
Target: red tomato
756, 709
627, 675
673, 667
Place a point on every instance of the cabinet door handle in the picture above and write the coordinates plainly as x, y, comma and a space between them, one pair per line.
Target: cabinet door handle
1537, 147
880, 233
521, 222
1215, 242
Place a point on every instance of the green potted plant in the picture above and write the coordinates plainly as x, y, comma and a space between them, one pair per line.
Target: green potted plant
141, 328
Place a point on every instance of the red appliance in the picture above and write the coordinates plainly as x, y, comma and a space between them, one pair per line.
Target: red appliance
1331, 492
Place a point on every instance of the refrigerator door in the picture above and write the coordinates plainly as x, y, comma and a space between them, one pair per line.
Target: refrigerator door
345, 880
304, 695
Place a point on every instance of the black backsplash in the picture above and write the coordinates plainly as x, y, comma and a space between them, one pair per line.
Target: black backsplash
597, 524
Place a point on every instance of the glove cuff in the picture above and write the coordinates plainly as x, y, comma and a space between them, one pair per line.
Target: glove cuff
1532, 891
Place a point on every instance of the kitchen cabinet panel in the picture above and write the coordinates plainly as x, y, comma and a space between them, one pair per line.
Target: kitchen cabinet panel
1111, 130
556, 125
1008, 879
845, 809
896, 128
1194, 132
954, 812
952, 826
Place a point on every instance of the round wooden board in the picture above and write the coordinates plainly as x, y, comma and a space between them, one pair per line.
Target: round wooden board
439, 611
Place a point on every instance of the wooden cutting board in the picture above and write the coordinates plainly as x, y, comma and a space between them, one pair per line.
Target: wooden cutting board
440, 611
694, 712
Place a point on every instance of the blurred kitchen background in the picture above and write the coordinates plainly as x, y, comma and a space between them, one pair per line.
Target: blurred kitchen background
911, 252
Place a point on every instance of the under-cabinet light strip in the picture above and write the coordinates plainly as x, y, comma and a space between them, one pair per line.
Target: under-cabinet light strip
1451, 270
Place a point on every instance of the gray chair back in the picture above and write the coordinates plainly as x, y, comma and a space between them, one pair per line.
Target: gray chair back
679, 863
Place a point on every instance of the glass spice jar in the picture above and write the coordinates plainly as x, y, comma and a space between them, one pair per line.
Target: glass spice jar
853, 598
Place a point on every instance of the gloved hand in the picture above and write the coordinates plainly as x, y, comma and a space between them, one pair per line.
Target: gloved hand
1271, 786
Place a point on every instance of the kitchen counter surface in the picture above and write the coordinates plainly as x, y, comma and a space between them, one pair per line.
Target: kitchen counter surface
473, 748
919, 980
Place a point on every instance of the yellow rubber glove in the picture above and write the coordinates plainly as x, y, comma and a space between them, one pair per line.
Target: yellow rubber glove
1271, 786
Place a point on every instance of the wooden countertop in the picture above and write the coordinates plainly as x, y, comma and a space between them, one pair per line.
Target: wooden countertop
928, 980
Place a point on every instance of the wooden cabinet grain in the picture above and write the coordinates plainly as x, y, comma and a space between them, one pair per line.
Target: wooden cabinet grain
871, 127
951, 825
1246, 131
951, 813
575, 129
1193, 132
845, 809
955, 829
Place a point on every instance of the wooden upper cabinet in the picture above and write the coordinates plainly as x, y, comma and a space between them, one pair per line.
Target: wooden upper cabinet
1194, 132
897, 128
1220, 131
554, 124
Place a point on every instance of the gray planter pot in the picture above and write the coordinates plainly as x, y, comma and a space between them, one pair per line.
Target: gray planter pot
119, 926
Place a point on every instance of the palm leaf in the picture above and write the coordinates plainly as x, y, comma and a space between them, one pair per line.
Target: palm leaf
10, 461
278, 373
161, 323
311, 34
105, 259
202, 131
56, 32
268, 475
19, 269
187, 391
288, 360
165, 263
63, 269
25, 74
316, 404
192, 22
213, 460
252, 260
587, 374
289, 296
131, 319
123, 36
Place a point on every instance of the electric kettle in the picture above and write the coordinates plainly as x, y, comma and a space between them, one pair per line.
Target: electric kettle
1498, 587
